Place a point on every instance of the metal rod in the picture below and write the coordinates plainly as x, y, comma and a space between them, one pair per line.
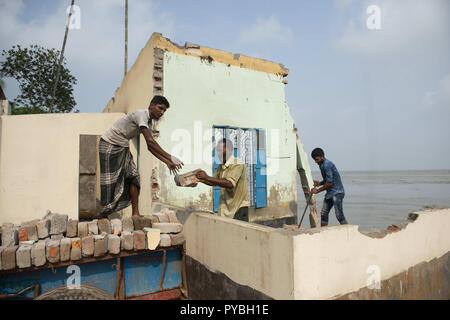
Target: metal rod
61, 56
162, 271
307, 205
126, 38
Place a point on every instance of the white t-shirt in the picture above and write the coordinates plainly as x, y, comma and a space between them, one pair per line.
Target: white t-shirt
127, 127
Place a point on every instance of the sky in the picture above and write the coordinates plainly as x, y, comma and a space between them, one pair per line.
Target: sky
372, 99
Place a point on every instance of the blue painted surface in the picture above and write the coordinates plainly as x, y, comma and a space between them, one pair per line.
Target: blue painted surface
142, 275
261, 172
100, 273
143, 272
216, 189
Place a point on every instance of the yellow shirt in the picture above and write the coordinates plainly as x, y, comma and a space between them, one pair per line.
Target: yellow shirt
231, 199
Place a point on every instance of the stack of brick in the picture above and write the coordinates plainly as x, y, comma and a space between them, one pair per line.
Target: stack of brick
55, 238
169, 227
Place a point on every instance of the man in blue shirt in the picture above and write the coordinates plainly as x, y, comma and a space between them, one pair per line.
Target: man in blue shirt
333, 184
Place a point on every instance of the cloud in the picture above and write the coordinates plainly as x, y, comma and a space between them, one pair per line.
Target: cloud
440, 98
405, 25
264, 35
94, 53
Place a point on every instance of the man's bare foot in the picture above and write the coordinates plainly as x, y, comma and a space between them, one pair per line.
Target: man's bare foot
138, 214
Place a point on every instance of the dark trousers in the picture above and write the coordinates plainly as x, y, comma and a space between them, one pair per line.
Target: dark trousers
241, 214
335, 201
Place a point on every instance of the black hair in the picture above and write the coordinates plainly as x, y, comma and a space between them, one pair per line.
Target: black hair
160, 100
317, 152
227, 142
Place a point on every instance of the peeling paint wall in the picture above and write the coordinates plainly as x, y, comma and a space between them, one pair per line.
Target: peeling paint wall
207, 87
325, 263
205, 93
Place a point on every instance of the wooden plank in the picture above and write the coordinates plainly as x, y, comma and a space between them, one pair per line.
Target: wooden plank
88, 260
162, 295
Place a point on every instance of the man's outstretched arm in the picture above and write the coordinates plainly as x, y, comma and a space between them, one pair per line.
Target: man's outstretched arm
172, 162
211, 181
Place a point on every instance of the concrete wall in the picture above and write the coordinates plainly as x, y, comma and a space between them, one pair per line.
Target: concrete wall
209, 87
326, 263
39, 162
205, 93
342, 255
249, 254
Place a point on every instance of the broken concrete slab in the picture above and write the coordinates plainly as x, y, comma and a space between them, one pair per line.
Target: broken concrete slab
43, 228
165, 240
72, 228
58, 223
9, 257
64, 249
83, 229
139, 240
23, 256
10, 235
177, 239
153, 237
88, 154
38, 257
100, 245
116, 226
126, 241
87, 245
52, 251
93, 227
75, 252
162, 217
29, 242
127, 224
113, 244
172, 215
28, 232
104, 225
167, 227
141, 222
58, 236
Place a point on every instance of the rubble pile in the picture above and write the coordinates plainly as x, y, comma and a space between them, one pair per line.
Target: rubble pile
55, 238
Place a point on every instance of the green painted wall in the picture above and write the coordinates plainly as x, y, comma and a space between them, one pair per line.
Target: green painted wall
203, 94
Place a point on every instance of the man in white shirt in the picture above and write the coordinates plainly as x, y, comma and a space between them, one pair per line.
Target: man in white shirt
119, 178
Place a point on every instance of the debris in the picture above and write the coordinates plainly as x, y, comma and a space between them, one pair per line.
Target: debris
167, 227
139, 240
153, 237
58, 223
72, 228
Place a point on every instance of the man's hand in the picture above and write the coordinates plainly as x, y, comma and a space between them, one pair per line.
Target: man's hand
178, 163
314, 191
316, 183
174, 164
201, 175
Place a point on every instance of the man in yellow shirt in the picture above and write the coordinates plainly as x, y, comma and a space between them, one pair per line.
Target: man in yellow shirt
232, 178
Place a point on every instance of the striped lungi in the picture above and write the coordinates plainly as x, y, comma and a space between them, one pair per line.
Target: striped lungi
117, 172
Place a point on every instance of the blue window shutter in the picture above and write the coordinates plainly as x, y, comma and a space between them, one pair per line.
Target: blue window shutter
216, 189
261, 170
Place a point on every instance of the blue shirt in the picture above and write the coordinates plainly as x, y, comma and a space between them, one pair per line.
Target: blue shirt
330, 174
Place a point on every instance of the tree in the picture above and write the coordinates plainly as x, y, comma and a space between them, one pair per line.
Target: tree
35, 69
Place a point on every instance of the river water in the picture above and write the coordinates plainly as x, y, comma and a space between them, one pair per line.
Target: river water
377, 199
